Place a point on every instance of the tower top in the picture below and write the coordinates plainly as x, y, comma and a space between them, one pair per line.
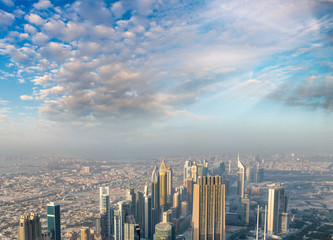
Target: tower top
163, 167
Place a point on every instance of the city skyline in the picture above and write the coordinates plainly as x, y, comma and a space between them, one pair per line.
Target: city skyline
158, 76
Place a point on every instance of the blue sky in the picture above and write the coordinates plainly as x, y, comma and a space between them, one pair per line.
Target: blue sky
145, 76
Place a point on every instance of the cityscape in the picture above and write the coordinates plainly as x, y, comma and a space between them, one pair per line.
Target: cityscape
251, 195
166, 120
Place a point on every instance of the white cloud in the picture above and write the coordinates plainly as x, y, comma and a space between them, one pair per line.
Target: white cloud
40, 38
8, 2
43, 4
34, 19
6, 18
44, 80
56, 51
29, 29
55, 91
117, 9
26, 97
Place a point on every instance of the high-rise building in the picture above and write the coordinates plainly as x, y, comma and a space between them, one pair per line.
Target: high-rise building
187, 171
131, 229
167, 216
245, 210
176, 203
155, 189
104, 209
259, 174
241, 178
208, 218
194, 171
184, 211
226, 182
124, 210
277, 206
251, 174
163, 184
29, 228
169, 186
98, 229
53, 220
189, 194
139, 209
130, 196
165, 231
148, 227
284, 223
219, 169
85, 233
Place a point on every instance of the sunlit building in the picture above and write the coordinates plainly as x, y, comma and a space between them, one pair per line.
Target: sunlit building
208, 218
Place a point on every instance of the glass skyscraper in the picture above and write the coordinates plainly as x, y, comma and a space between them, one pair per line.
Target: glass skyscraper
53, 220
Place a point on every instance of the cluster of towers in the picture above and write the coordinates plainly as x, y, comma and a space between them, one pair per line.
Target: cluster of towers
140, 214
168, 211
30, 226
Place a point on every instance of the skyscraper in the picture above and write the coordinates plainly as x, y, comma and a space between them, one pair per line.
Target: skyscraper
277, 206
29, 228
165, 231
241, 178
124, 210
219, 169
169, 186
131, 229
163, 184
98, 229
130, 196
155, 189
187, 171
104, 209
194, 171
189, 193
139, 209
53, 220
208, 219
148, 227
259, 174
85, 233
176, 203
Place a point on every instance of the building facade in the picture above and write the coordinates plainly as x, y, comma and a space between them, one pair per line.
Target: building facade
53, 220
208, 219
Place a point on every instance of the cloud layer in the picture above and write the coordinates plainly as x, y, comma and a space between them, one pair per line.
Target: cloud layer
146, 61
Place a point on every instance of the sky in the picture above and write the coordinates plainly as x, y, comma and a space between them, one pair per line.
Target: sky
166, 76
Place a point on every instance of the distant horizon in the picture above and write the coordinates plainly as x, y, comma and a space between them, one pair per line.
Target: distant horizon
126, 76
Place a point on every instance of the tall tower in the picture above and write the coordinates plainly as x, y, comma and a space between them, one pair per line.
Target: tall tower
124, 210
241, 178
208, 219
148, 228
163, 184
155, 189
277, 206
53, 220
85, 233
104, 209
23, 230
187, 171
194, 171
30, 227
169, 186
130, 196
98, 229
189, 194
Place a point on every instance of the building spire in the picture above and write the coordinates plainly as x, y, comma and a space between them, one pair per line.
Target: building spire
163, 167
